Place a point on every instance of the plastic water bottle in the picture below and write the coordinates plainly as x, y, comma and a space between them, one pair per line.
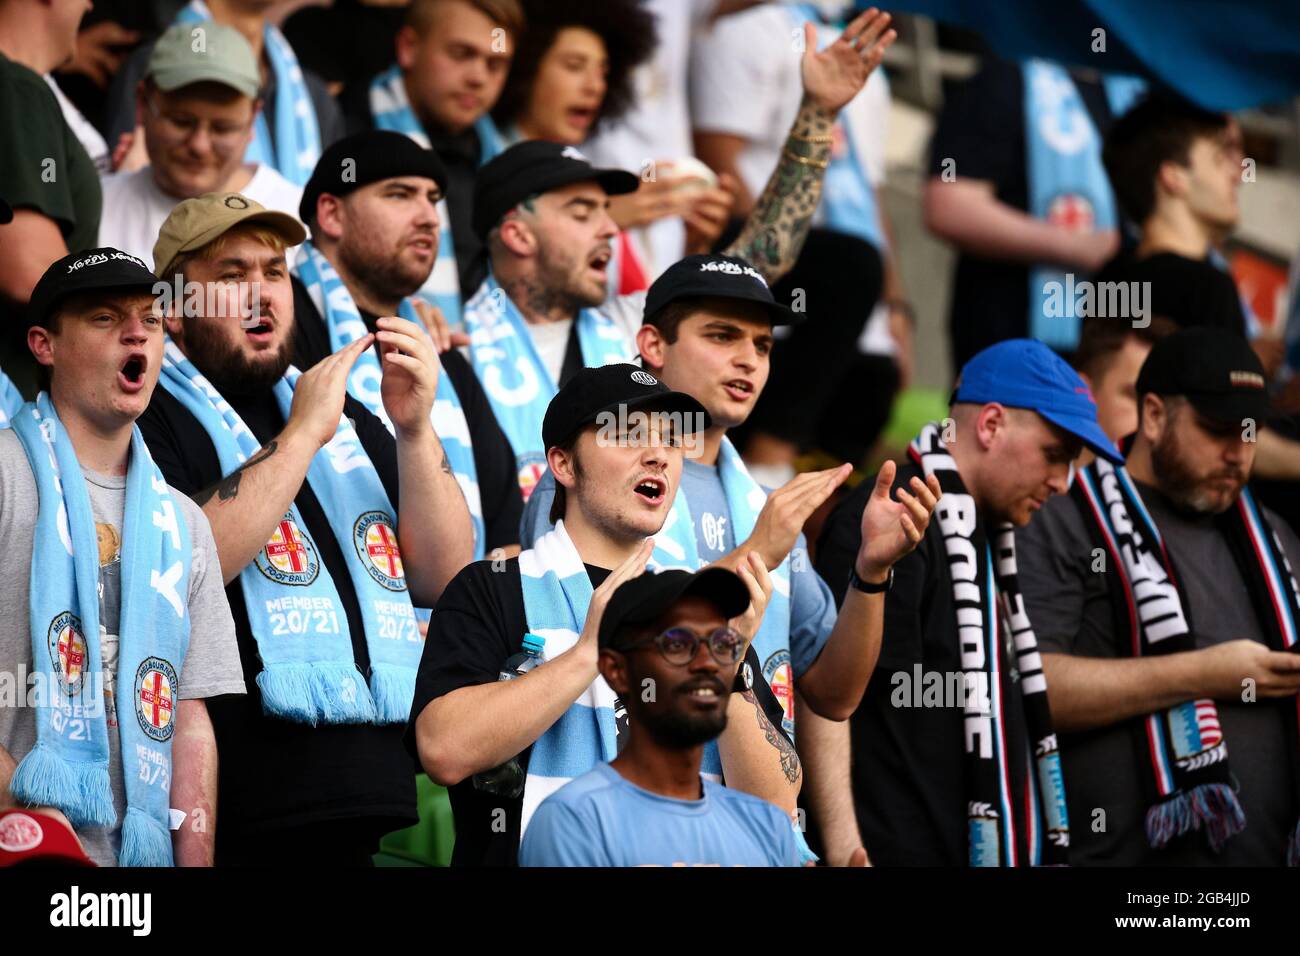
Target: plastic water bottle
507, 780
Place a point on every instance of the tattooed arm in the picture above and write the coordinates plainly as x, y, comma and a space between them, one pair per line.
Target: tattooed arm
775, 231
756, 757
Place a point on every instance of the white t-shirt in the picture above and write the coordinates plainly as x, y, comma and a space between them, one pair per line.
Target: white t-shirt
746, 81
658, 125
135, 207
551, 339
91, 141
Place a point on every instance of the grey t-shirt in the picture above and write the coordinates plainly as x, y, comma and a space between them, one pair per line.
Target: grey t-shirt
1070, 607
211, 666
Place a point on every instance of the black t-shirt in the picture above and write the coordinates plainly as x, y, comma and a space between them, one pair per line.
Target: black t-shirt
1187, 291
479, 622
494, 459
909, 761
275, 773
982, 130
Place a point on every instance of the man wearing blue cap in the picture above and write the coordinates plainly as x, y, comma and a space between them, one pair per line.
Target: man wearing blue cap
942, 742
1167, 608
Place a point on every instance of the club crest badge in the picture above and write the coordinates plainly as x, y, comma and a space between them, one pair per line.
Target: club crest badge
376, 543
155, 698
531, 470
289, 557
20, 833
68, 652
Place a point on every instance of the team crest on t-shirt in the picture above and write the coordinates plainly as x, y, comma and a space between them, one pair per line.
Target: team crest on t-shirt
289, 557
155, 698
777, 672
68, 651
377, 547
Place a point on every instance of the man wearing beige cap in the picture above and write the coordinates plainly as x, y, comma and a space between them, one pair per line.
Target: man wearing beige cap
197, 106
329, 529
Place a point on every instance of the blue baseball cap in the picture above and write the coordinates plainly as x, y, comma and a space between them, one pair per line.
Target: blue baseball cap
1025, 373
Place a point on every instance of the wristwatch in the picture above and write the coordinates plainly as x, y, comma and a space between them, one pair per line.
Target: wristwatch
868, 588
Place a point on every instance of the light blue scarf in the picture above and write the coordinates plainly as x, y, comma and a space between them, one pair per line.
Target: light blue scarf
296, 147
848, 199
514, 376
10, 400
675, 546
68, 767
557, 593
391, 110
1066, 179
309, 673
335, 304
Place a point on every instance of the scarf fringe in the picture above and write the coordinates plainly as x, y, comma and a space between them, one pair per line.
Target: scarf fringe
1211, 805
145, 841
43, 778
313, 693
393, 689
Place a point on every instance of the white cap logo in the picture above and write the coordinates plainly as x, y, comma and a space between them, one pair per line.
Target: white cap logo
644, 378
572, 152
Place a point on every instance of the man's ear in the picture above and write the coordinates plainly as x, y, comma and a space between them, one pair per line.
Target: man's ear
613, 667
405, 45
1153, 415
651, 344
561, 464
992, 419
41, 342
329, 216
1172, 178
517, 237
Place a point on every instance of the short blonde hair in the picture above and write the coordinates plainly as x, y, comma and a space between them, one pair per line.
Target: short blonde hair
504, 13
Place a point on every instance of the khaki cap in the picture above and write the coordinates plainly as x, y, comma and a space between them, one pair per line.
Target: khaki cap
196, 222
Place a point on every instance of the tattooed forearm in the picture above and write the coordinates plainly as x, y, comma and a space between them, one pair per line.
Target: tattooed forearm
775, 231
790, 765
227, 489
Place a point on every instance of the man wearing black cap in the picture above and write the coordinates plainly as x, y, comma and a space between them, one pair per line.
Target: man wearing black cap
676, 632
957, 702
543, 212
615, 436
106, 641
708, 332
1164, 600
331, 531
371, 204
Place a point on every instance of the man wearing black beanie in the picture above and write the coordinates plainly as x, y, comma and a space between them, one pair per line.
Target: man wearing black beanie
371, 207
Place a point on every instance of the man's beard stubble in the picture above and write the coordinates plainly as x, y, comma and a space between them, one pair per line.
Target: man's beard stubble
384, 278
1181, 485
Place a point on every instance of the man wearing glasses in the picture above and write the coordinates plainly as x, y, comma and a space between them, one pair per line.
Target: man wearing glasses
650, 806
615, 438
197, 105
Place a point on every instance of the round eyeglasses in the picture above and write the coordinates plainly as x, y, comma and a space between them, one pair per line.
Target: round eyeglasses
679, 645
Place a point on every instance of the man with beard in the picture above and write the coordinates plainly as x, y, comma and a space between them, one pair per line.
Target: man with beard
328, 528
650, 805
543, 212
371, 205
1165, 605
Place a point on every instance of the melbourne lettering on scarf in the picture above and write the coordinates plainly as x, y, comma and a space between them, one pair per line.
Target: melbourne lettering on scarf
309, 673
335, 304
68, 768
985, 589
514, 377
391, 110
1186, 776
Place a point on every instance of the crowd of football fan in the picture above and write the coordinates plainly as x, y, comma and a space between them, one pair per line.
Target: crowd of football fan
491, 395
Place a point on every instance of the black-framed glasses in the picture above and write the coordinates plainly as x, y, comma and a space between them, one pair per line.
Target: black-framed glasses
679, 645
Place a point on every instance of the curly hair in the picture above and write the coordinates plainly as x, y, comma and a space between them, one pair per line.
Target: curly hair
627, 28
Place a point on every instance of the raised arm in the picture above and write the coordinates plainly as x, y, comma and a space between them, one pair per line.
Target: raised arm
775, 231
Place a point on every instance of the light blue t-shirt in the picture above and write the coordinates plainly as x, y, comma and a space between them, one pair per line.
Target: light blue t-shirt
600, 819
812, 606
